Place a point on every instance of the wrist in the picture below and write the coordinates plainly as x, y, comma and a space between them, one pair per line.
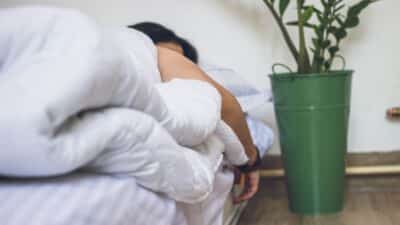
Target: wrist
253, 164
252, 154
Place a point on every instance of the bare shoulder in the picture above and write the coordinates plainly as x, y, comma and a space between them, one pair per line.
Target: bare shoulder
174, 65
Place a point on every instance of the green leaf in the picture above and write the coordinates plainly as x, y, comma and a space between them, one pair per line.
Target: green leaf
317, 11
352, 22
339, 20
307, 15
327, 65
332, 30
337, 9
324, 3
340, 34
283, 5
333, 50
356, 9
315, 41
320, 18
337, 2
325, 44
331, 3
319, 31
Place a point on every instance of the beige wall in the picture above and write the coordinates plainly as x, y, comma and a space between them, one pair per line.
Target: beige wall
241, 34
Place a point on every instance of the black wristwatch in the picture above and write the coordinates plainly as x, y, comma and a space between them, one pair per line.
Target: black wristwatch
250, 168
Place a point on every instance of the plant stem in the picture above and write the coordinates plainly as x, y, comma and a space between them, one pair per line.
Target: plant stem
326, 36
319, 55
304, 60
284, 31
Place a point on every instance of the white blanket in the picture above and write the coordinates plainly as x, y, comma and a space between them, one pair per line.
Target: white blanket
75, 95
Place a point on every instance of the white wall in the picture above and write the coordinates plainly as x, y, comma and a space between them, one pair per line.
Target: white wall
241, 34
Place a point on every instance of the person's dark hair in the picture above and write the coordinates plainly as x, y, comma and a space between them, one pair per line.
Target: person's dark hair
159, 33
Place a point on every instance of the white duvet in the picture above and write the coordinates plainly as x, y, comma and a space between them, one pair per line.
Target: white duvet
77, 96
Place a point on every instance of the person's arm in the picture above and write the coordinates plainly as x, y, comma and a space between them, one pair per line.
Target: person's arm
173, 65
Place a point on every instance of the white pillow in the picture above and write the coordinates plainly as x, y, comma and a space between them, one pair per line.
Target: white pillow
249, 97
262, 135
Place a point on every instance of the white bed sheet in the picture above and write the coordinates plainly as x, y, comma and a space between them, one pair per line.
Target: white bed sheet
95, 199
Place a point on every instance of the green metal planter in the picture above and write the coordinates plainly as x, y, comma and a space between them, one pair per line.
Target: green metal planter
312, 112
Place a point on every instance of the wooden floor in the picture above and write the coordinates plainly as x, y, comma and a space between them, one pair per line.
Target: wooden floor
368, 202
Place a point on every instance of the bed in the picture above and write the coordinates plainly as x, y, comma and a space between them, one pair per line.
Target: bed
139, 140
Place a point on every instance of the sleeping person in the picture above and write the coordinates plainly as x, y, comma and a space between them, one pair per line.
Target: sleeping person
247, 95
170, 47
79, 95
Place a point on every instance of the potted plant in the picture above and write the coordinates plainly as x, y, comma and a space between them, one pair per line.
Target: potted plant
312, 105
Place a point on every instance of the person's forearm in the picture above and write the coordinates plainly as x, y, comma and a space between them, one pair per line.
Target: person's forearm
173, 65
233, 115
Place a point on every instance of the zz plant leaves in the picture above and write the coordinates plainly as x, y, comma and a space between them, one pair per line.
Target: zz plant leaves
330, 26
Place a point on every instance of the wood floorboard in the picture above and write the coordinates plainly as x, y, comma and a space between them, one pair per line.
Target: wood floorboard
368, 206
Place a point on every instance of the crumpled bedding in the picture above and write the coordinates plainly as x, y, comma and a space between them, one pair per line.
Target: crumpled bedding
78, 96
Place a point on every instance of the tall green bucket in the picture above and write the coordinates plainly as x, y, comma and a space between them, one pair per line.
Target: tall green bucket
312, 113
